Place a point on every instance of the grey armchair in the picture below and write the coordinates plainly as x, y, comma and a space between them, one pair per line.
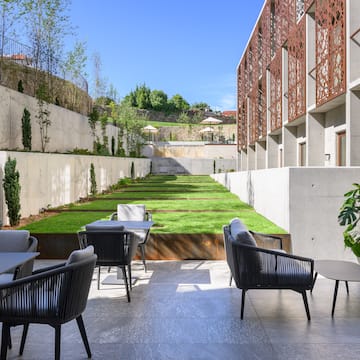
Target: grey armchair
17, 241
253, 267
135, 212
53, 296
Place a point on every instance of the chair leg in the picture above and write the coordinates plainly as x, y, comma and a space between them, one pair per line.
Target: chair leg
315, 277
98, 279
23, 338
126, 283
5, 335
81, 326
57, 341
130, 278
242, 304
142, 249
303, 293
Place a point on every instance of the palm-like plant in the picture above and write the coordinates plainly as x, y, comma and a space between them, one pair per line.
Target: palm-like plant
349, 216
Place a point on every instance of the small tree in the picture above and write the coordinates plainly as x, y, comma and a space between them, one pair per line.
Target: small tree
26, 130
92, 120
112, 146
12, 189
93, 187
43, 115
132, 171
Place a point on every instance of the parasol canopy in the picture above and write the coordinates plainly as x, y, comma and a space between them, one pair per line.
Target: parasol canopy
207, 129
211, 121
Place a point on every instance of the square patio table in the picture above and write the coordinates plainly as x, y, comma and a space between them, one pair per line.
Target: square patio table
10, 260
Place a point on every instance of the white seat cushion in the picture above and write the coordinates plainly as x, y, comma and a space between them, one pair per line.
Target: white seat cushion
132, 212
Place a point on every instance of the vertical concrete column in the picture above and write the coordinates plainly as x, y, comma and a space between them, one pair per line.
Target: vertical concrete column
243, 161
260, 151
352, 128
315, 139
290, 146
272, 151
251, 157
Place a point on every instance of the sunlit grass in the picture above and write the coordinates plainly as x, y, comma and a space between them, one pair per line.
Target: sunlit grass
204, 211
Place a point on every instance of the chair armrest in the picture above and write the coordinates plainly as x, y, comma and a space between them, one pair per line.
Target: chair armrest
113, 216
276, 241
36, 277
47, 268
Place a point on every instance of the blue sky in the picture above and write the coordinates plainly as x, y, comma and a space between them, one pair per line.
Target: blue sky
190, 47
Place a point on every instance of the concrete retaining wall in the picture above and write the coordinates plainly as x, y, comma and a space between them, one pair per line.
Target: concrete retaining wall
57, 179
303, 201
68, 129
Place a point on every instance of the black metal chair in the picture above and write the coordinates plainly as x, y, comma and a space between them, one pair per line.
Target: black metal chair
54, 296
258, 268
113, 248
135, 212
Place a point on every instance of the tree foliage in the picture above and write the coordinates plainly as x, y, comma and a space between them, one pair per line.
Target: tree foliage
12, 189
26, 129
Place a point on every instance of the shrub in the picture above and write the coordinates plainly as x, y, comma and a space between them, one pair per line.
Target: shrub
12, 189
20, 86
26, 130
132, 171
93, 187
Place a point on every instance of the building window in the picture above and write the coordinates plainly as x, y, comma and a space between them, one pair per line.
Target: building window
341, 148
302, 154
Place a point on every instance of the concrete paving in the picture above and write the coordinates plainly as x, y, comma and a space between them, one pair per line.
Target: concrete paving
186, 310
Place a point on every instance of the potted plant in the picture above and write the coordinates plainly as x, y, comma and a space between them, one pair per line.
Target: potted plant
349, 216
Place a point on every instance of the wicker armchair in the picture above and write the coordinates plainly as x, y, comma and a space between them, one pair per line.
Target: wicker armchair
135, 212
113, 248
253, 267
53, 295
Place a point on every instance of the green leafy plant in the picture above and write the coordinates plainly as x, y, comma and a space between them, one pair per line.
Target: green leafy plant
93, 186
26, 130
20, 86
349, 216
12, 189
132, 171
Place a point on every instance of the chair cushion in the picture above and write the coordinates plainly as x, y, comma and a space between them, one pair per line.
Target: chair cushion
79, 255
14, 240
132, 212
253, 257
236, 226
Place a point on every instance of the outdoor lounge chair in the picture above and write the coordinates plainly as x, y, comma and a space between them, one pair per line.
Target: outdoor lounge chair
135, 212
259, 268
54, 295
17, 241
113, 248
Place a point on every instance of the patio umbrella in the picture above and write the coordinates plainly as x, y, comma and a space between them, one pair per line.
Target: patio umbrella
211, 121
150, 130
207, 129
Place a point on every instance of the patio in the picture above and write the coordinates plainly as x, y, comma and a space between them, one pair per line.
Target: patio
186, 310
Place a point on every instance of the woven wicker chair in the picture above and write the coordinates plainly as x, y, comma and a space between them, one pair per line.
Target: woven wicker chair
53, 295
113, 248
135, 212
253, 267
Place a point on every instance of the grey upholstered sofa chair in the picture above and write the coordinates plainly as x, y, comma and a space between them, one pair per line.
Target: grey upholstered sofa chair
253, 267
17, 241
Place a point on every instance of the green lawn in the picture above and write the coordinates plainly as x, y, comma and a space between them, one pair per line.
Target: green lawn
195, 204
